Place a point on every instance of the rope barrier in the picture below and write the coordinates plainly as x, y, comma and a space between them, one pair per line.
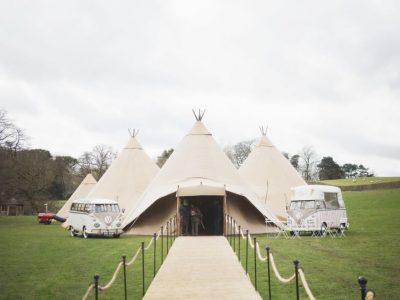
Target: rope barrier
89, 290
119, 266
272, 261
305, 285
277, 275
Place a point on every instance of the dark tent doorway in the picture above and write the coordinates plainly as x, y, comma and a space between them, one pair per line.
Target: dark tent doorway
212, 209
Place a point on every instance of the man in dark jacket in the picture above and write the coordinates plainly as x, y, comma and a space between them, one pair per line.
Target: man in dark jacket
184, 213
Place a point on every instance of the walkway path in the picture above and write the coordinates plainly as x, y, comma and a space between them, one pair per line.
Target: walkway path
201, 268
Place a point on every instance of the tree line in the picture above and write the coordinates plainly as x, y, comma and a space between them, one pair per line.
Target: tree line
34, 175
307, 162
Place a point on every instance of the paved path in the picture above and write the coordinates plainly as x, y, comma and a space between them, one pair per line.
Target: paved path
202, 267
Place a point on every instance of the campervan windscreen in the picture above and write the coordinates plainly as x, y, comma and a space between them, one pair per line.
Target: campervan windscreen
331, 200
101, 208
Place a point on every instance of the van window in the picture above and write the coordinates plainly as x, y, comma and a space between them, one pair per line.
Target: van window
331, 200
295, 205
308, 204
101, 208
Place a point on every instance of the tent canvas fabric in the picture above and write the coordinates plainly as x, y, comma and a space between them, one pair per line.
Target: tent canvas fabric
81, 191
127, 177
197, 166
271, 176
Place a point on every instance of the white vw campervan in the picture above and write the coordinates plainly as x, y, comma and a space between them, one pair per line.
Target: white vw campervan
95, 217
315, 208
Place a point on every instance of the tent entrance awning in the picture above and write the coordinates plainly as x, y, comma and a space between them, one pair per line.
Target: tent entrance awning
200, 190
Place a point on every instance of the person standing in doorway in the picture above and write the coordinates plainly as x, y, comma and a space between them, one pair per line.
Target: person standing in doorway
195, 219
184, 215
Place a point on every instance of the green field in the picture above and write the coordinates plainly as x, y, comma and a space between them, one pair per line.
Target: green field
361, 181
44, 262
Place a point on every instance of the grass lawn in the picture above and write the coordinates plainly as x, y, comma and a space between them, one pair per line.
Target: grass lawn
44, 262
361, 181
371, 248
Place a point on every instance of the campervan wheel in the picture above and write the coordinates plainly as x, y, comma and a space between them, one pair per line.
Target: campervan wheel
342, 228
323, 229
71, 231
85, 233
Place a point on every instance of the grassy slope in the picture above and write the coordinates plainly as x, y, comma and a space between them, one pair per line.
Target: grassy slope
371, 248
43, 262
361, 181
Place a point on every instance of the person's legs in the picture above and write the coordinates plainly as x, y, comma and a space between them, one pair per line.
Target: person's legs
193, 226
196, 228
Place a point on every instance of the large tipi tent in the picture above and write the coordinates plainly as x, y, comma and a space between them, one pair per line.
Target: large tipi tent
270, 175
127, 177
199, 169
81, 191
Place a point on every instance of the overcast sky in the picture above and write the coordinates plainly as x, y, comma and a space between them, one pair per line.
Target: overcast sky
326, 74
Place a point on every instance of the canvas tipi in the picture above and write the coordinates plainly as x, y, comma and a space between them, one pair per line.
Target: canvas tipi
270, 175
200, 172
81, 191
127, 177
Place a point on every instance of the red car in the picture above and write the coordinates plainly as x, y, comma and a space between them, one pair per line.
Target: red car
45, 218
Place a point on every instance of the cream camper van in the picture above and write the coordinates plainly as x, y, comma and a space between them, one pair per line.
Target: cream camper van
315, 208
90, 217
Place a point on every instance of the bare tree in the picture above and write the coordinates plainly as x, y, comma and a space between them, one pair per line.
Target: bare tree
97, 161
308, 163
11, 137
239, 152
161, 160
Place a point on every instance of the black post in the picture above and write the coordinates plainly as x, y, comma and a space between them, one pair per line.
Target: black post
143, 268
240, 237
167, 235
269, 275
234, 236
174, 220
229, 231
124, 265
96, 286
255, 263
296, 271
362, 281
226, 225
162, 244
154, 255
247, 249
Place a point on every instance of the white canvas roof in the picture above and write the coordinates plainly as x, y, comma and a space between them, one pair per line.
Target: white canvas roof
81, 191
197, 167
127, 177
271, 176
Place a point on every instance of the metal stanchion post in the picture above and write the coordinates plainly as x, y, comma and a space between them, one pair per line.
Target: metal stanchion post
162, 244
167, 235
296, 271
154, 254
240, 237
255, 263
143, 268
234, 236
124, 265
362, 281
269, 275
96, 286
247, 249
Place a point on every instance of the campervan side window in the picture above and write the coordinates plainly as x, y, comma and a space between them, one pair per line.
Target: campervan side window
308, 204
331, 200
295, 205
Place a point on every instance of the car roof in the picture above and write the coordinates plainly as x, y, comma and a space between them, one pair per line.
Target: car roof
95, 201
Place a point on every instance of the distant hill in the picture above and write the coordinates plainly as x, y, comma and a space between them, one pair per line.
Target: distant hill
365, 183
